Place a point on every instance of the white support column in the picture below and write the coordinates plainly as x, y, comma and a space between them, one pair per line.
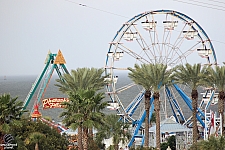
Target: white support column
207, 124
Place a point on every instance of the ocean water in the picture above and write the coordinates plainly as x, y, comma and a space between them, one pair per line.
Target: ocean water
19, 86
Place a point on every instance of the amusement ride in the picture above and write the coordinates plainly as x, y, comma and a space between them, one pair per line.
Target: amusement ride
161, 36
53, 63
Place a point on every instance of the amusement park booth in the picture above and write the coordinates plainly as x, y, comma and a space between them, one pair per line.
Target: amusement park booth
169, 127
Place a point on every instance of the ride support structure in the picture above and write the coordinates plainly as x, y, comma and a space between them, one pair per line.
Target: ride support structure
53, 62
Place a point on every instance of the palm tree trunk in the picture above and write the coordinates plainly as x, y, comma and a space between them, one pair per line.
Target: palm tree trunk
1, 141
36, 146
116, 147
80, 145
147, 108
221, 108
90, 133
194, 95
90, 136
85, 138
157, 115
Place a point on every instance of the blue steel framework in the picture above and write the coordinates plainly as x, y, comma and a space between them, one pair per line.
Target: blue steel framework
119, 47
43, 79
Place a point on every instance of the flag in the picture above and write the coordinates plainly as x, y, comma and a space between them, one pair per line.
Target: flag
212, 124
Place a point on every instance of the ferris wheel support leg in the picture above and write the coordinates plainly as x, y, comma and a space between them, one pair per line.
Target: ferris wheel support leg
175, 104
174, 114
139, 123
210, 100
134, 105
151, 112
188, 102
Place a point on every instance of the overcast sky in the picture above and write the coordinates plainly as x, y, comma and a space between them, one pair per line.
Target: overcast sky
30, 28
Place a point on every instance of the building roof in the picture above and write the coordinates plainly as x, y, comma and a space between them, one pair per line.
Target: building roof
70, 132
169, 125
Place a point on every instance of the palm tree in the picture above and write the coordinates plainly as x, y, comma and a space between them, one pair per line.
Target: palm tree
87, 115
151, 77
10, 109
216, 78
35, 137
82, 78
90, 117
97, 106
137, 75
74, 85
53, 140
80, 113
215, 143
192, 76
118, 130
72, 116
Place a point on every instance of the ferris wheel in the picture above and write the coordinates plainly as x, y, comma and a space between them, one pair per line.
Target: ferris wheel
161, 36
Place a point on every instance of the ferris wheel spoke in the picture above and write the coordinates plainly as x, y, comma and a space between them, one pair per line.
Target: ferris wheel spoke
122, 111
153, 30
144, 46
145, 49
177, 44
153, 43
133, 54
175, 50
125, 87
165, 36
156, 44
185, 54
156, 38
171, 51
179, 38
168, 50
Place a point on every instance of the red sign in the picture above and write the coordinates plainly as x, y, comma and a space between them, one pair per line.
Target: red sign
54, 102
